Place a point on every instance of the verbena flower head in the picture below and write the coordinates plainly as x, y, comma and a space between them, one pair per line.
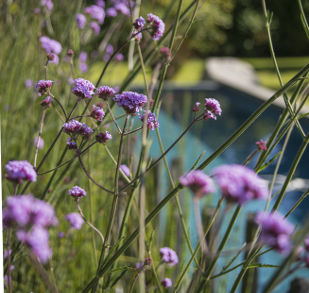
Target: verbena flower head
37, 241
95, 27
198, 182
105, 92
276, 230
81, 20
240, 184
169, 256
71, 144
18, 171
77, 192
103, 137
25, 211
158, 26
152, 122
139, 23
72, 127
85, 130
83, 88
50, 45
166, 282
196, 107
125, 169
96, 12
97, 113
46, 103
48, 4
43, 86
75, 220
212, 109
131, 102
261, 145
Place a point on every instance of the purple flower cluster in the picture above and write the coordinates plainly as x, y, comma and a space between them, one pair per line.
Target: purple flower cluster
75, 220
169, 256
119, 6
43, 86
152, 122
80, 20
96, 12
97, 113
77, 192
83, 62
51, 47
46, 103
95, 27
139, 23
31, 217
18, 171
71, 144
276, 231
166, 282
48, 4
261, 145
83, 88
198, 182
240, 184
74, 127
158, 26
212, 109
103, 137
105, 92
131, 102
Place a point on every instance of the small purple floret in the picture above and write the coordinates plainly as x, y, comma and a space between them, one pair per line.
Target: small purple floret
83, 88
198, 182
131, 102
103, 137
81, 20
166, 282
105, 92
96, 12
169, 256
97, 113
240, 184
18, 171
125, 169
139, 23
158, 26
212, 109
152, 122
75, 220
77, 192
43, 86
276, 231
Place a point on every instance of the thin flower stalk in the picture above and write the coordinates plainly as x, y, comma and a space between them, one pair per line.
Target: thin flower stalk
39, 138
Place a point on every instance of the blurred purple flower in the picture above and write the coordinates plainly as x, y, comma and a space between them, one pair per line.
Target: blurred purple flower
7, 252
43, 86
77, 192
75, 220
109, 49
276, 231
169, 256
95, 27
198, 182
212, 109
29, 83
18, 171
240, 184
119, 57
96, 12
103, 137
158, 26
97, 113
50, 45
105, 92
111, 12
131, 102
48, 4
100, 3
39, 142
152, 121
125, 169
83, 88
81, 20
166, 283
